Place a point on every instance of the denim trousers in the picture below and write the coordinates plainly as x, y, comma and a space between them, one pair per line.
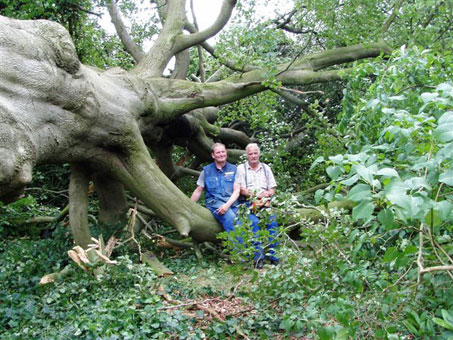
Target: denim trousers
229, 221
272, 228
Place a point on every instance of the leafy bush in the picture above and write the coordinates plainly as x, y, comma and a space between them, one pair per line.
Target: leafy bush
399, 169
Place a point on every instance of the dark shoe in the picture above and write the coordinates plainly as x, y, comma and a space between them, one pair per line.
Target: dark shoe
259, 264
275, 262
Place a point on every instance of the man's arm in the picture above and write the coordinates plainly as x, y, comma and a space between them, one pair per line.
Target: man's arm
240, 180
224, 208
245, 192
197, 193
270, 182
199, 189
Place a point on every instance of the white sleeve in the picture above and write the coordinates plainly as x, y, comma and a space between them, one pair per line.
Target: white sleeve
270, 178
240, 176
200, 181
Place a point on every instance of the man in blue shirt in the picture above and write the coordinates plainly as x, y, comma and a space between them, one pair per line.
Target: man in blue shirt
222, 192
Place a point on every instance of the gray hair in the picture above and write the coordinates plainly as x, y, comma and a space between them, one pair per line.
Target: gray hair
252, 145
216, 145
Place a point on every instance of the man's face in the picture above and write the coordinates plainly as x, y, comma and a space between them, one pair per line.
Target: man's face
219, 154
253, 156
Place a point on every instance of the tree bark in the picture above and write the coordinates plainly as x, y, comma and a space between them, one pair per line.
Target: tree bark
142, 176
78, 205
112, 199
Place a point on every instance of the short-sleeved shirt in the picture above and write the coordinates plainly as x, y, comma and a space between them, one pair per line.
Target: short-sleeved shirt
200, 181
258, 180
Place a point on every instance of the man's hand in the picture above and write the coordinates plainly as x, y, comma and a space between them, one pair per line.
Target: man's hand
223, 209
265, 193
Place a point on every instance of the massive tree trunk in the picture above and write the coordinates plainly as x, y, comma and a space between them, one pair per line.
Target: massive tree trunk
53, 109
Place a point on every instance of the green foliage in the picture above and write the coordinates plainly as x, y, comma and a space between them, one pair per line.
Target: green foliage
402, 141
66, 12
335, 282
260, 44
50, 184
122, 303
290, 139
423, 23
96, 48
241, 243
398, 171
13, 216
254, 110
333, 285
339, 24
446, 322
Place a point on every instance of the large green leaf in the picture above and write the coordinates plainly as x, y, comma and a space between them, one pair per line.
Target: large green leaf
334, 171
360, 192
445, 153
447, 177
396, 186
433, 218
388, 172
412, 207
350, 181
338, 159
390, 254
443, 208
447, 316
359, 157
326, 333
416, 183
386, 218
444, 131
446, 118
342, 334
429, 96
365, 173
443, 323
410, 327
401, 200
446, 87
363, 211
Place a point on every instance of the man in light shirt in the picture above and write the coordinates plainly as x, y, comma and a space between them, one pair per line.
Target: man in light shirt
257, 185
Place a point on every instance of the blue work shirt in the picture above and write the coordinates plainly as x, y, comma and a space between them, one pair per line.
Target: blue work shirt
219, 184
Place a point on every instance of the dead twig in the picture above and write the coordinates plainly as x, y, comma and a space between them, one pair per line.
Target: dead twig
187, 304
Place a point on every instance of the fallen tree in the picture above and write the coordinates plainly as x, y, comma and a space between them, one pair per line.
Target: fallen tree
54, 109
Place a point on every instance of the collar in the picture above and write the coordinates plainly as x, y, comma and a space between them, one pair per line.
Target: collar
221, 169
260, 166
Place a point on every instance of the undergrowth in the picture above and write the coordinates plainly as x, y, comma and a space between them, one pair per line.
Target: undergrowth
330, 285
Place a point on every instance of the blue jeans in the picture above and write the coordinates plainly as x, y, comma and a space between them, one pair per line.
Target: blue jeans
227, 219
272, 228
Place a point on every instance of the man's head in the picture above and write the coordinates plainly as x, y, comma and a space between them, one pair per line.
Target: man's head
219, 153
253, 154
